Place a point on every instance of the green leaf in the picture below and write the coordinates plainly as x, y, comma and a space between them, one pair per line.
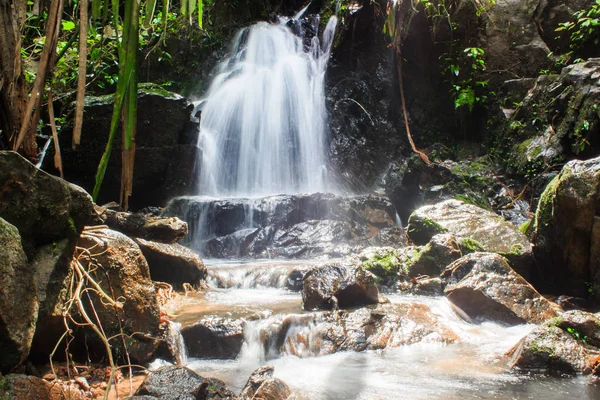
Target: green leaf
68, 25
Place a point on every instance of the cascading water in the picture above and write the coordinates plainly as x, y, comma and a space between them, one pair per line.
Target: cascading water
262, 129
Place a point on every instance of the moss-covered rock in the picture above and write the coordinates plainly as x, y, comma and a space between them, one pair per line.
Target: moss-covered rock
567, 231
433, 258
474, 224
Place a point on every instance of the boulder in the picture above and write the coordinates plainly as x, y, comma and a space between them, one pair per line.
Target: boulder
214, 337
388, 264
340, 285
181, 383
143, 226
44, 208
567, 231
18, 300
561, 345
484, 286
466, 221
173, 263
262, 385
26, 387
165, 154
118, 266
432, 259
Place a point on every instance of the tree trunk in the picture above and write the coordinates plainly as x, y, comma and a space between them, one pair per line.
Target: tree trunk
13, 94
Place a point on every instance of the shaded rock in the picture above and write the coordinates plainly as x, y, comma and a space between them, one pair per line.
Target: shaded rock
44, 208
557, 120
144, 226
181, 383
338, 285
262, 385
569, 303
549, 348
469, 221
214, 337
567, 231
173, 263
583, 325
286, 225
165, 151
432, 259
25, 387
18, 300
484, 286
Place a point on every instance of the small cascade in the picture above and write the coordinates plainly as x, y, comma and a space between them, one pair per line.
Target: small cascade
262, 128
259, 275
176, 343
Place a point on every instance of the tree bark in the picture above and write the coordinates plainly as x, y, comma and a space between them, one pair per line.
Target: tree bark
13, 94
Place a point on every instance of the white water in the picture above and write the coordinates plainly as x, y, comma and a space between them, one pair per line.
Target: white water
262, 129
474, 367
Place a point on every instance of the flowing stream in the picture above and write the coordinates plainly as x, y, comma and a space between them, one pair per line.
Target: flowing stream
472, 367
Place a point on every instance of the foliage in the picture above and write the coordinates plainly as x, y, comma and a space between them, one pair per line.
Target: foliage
577, 335
584, 29
463, 67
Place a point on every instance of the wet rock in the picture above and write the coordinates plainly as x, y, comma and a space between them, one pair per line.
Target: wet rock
423, 286
286, 225
484, 286
262, 385
557, 348
181, 383
466, 221
388, 264
143, 226
338, 285
18, 300
24, 387
173, 263
432, 259
569, 303
42, 207
165, 151
567, 231
214, 337
583, 325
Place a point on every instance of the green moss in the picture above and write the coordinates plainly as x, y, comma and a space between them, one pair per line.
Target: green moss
156, 90
383, 266
524, 227
469, 245
516, 249
473, 199
545, 211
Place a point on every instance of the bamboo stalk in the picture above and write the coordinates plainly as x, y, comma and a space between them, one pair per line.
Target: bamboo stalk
80, 102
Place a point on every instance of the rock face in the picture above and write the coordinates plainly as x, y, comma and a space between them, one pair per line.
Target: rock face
567, 344
262, 385
18, 300
567, 231
484, 286
338, 285
180, 383
144, 226
568, 127
431, 260
173, 263
214, 337
466, 221
42, 207
286, 225
165, 148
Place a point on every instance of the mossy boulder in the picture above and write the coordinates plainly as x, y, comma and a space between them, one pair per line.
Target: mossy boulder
388, 264
482, 230
566, 344
567, 231
18, 300
432, 259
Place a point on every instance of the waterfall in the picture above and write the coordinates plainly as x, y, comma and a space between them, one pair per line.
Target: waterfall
262, 129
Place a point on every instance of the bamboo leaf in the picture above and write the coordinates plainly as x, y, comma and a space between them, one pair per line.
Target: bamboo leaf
79, 103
